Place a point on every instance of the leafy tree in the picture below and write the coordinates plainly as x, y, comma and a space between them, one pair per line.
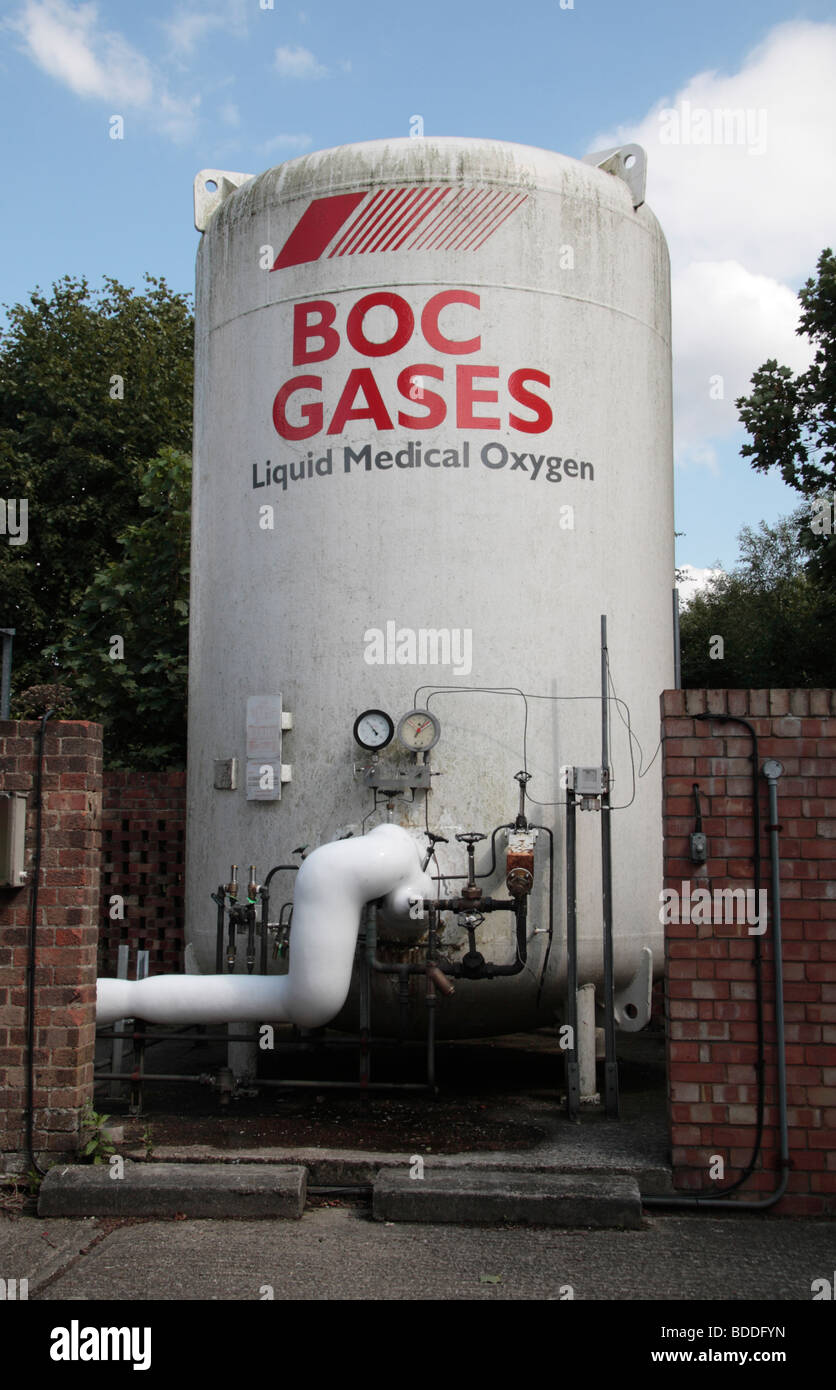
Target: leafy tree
769, 613
92, 386
792, 419
125, 648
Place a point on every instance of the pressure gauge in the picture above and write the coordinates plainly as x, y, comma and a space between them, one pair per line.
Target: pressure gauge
419, 730
373, 729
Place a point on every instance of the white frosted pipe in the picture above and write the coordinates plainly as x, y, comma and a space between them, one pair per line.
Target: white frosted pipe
332, 886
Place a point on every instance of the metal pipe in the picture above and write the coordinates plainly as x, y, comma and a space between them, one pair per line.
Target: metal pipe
550, 936
610, 1062
454, 878
33, 930
677, 655
573, 1090
586, 1043
365, 1010
219, 938
332, 886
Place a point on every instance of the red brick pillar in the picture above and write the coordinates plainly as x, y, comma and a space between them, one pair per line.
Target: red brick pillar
710, 979
66, 935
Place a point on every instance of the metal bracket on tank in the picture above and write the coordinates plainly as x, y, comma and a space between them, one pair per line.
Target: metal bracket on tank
207, 199
631, 1005
627, 162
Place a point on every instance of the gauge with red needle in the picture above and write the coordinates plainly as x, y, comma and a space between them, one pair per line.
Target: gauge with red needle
419, 730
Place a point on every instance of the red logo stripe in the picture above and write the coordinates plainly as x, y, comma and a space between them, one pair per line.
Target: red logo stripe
317, 226
355, 224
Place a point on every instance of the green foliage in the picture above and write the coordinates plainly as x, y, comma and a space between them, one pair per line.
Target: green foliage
99, 1145
772, 615
75, 450
141, 596
792, 419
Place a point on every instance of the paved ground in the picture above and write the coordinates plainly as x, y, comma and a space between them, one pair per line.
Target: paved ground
689, 1272
339, 1252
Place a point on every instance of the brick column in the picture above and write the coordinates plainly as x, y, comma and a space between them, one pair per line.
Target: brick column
710, 979
66, 935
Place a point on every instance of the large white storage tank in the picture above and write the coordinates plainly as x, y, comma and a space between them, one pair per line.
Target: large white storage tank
433, 446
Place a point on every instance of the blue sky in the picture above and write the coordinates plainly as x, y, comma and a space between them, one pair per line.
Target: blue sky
235, 84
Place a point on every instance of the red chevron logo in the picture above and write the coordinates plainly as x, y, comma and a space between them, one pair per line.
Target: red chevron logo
398, 218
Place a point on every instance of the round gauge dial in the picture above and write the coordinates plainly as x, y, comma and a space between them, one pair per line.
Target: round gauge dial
419, 730
373, 729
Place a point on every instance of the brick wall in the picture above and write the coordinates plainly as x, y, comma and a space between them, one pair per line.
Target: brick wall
143, 853
67, 924
710, 979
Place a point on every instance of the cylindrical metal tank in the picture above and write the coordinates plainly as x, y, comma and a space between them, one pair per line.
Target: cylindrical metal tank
432, 447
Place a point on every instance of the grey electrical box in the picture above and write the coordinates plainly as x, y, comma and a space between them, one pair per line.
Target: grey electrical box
12, 840
584, 781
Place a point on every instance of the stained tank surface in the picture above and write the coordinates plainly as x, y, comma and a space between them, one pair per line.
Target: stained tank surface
432, 447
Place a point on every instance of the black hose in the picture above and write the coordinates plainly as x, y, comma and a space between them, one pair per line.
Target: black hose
719, 1193
33, 920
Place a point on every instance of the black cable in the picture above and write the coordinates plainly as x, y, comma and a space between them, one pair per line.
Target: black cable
33, 921
760, 1066
525, 697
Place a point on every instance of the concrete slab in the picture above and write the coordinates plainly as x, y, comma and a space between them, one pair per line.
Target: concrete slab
358, 1168
484, 1198
33, 1251
174, 1189
338, 1253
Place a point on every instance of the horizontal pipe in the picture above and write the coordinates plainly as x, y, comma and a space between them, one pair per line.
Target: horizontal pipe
332, 887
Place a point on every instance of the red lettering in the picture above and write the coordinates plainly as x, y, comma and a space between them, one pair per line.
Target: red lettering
434, 405
311, 413
517, 391
403, 329
361, 378
466, 395
304, 330
429, 321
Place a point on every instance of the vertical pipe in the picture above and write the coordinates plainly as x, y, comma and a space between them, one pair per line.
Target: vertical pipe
586, 1043
677, 655
772, 776
365, 1000
6, 673
135, 1105
118, 1045
610, 1063
265, 918
573, 1093
219, 941
431, 1001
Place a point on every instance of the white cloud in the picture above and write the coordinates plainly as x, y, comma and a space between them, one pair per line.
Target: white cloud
740, 177
188, 27
727, 321
693, 581
286, 142
298, 62
229, 114
67, 42
64, 42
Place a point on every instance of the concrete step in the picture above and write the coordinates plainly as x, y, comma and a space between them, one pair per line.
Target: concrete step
171, 1189
485, 1198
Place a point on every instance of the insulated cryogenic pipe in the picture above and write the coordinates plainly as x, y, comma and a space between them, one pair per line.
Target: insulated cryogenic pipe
332, 886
